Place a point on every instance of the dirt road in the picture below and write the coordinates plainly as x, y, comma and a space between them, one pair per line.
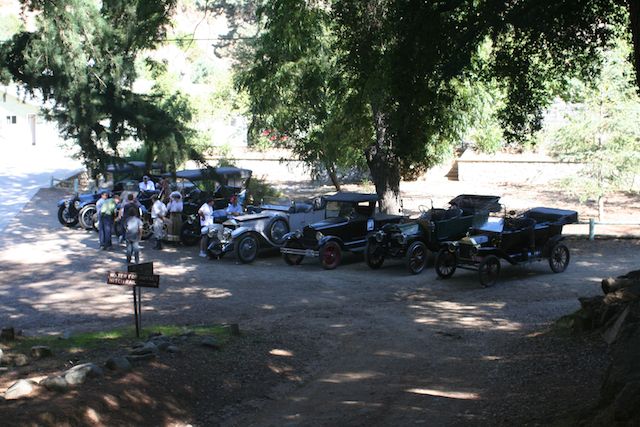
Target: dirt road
378, 347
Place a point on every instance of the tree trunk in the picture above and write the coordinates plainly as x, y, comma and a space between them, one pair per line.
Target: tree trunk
600, 208
634, 15
331, 170
384, 166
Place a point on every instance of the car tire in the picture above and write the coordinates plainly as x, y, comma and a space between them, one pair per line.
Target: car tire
247, 248
277, 230
446, 263
189, 235
87, 217
416, 258
559, 258
291, 259
330, 255
489, 271
373, 260
65, 217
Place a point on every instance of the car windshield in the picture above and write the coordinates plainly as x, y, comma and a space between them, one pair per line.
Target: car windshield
409, 228
348, 209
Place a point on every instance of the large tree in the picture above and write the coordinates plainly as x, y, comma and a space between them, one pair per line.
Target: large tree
81, 59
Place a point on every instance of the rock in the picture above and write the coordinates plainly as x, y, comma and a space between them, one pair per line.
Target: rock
7, 334
17, 359
611, 333
163, 345
173, 349
147, 348
118, 363
140, 357
210, 342
40, 351
20, 389
79, 374
55, 383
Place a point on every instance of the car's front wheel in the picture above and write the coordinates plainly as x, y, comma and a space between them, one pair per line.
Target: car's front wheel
88, 216
446, 263
489, 271
330, 255
247, 248
373, 255
65, 217
416, 258
292, 259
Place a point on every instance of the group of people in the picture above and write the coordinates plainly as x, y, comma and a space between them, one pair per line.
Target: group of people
123, 218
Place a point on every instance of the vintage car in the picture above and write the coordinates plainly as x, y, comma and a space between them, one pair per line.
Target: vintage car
535, 235
196, 185
413, 240
349, 217
80, 208
264, 227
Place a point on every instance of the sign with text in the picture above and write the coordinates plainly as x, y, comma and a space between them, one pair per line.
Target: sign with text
146, 268
122, 278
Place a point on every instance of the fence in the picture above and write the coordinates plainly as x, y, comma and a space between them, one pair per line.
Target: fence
592, 227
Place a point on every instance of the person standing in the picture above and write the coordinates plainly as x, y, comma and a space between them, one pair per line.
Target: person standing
175, 207
133, 233
206, 220
165, 189
146, 184
106, 213
158, 215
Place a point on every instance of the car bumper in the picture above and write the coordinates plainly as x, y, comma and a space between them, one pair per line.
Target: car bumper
303, 252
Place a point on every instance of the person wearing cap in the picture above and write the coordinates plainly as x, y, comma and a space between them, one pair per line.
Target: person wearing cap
146, 184
158, 215
175, 207
206, 220
234, 208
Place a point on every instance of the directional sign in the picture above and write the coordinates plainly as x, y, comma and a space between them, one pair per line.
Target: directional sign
133, 279
145, 268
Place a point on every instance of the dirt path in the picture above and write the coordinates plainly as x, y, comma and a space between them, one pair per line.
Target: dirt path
388, 348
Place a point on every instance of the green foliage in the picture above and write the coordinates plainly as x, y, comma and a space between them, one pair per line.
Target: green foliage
258, 189
604, 131
86, 72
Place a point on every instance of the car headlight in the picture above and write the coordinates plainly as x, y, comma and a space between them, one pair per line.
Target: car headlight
76, 204
451, 247
226, 234
319, 236
67, 203
298, 234
473, 250
379, 236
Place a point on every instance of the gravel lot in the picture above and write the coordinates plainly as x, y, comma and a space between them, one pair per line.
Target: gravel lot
390, 348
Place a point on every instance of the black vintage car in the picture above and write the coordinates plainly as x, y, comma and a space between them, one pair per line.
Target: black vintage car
80, 208
535, 235
349, 217
197, 185
413, 240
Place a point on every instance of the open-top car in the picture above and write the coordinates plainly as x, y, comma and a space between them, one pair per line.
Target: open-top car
81, 208
197, 185
349, 217
414, 239
264, 227
535, 235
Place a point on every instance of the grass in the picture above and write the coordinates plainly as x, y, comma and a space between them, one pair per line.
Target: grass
114, 338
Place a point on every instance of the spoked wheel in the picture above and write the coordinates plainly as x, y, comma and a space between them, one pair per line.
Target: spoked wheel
559, 258
277, 231
292, 259
247, 249
65, 217
489, 270
446, 263
330, 255
373, 255
88, 217
416, 258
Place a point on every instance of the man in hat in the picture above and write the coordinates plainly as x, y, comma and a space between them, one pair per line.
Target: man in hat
146, 184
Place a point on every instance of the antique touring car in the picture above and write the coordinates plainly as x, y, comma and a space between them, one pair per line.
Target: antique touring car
349, 217
535, 235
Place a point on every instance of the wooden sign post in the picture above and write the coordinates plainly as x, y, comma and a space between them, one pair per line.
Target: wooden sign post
138, 276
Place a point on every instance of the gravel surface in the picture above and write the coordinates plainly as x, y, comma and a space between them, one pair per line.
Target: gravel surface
389, 348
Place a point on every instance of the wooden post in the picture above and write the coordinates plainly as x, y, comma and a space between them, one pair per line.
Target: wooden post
592, 229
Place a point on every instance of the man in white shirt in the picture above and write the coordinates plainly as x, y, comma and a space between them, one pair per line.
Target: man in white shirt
158, 214
206, 220
146, 184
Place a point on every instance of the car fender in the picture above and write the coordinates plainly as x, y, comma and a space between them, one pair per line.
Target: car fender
240, 231
551, 243
327, 239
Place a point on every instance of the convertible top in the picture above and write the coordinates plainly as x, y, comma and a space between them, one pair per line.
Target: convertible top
552, 215
226, 171
132, 166
477, 202
343, 196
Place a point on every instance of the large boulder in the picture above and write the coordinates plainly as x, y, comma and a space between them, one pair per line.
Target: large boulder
79, 373
20, 389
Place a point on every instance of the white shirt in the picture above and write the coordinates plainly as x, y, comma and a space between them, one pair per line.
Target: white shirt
158, 210
207, 212
175, 205
149, 186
